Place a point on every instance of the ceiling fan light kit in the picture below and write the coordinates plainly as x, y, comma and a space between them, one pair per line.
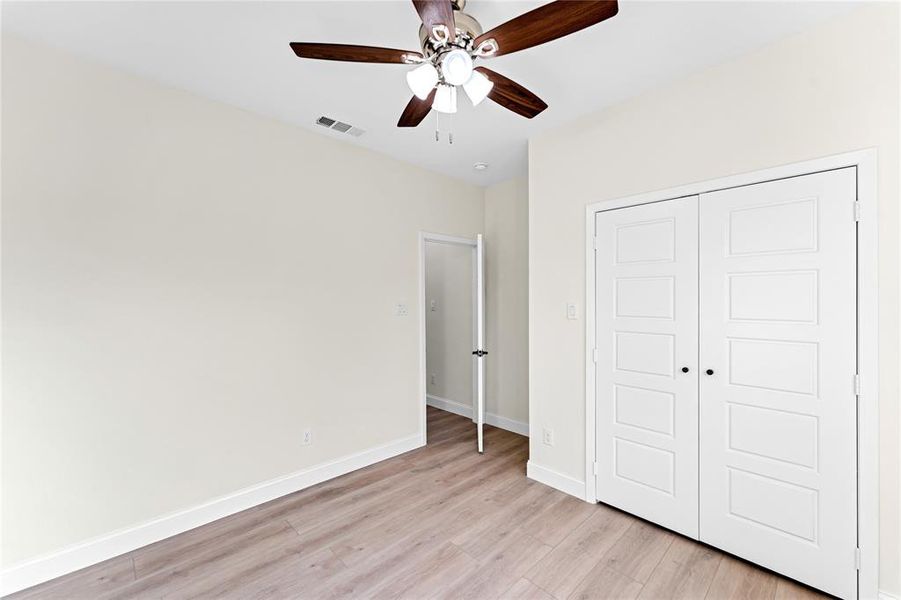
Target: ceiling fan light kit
422, 80
456, 66
445, 99
452, 40
477, 88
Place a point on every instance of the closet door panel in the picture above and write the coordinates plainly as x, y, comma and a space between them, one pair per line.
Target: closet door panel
646, 299
778, 414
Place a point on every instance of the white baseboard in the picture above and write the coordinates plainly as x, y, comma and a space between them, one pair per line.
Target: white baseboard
556, 480
886, 596
464, 410
508, 424
44, 568
449, 405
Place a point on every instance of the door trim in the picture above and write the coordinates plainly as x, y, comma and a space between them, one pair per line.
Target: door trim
867, 331
436, 238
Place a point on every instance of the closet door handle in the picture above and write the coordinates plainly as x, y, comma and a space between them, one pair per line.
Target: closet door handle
685, 369
710, 371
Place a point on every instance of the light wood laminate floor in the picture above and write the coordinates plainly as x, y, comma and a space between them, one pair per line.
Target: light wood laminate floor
438, 522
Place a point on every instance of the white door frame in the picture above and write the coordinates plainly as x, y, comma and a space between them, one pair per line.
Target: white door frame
867, 332
439, 238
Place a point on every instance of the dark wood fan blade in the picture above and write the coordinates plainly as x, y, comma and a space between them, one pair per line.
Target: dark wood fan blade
511, 95
416, 111
436, 12
349, 52
547, 23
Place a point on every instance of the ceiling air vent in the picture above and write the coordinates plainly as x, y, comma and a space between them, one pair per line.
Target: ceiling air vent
339, 126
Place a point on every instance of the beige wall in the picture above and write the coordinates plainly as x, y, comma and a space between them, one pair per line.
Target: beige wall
449, 322
507, 300
829, 90
186, 287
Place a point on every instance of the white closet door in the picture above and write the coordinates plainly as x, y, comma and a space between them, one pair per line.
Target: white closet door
778, 413
647, 332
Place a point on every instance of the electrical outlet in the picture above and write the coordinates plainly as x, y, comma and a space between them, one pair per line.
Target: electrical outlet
307, 437
547, 436
571, 312
400, 310
432, 379
434, 305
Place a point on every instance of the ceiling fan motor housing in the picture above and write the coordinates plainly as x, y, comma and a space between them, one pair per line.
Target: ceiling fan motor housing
467, 30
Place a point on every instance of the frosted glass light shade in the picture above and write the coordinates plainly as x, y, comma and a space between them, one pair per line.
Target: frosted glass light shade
445, 99
477, 87
422, 79
456, 66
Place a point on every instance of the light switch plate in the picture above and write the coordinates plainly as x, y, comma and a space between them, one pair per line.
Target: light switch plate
400, 310
571, 312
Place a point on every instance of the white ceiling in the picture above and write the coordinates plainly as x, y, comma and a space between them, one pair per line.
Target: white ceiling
237, 52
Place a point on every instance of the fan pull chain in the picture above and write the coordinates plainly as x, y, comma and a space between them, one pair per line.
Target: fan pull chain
444, 124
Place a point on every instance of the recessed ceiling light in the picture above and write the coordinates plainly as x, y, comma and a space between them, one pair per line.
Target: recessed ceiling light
480, 166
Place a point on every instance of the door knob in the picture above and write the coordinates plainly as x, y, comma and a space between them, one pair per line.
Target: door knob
685, 369
710, 371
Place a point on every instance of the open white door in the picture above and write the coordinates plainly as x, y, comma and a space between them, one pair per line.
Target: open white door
480, 352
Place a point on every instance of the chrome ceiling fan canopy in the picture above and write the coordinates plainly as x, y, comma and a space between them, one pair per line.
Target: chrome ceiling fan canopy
467, 29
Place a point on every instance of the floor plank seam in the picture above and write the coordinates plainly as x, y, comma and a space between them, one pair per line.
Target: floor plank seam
716, 572
616, 569
526, 577
600, 560
710, 580
291, 525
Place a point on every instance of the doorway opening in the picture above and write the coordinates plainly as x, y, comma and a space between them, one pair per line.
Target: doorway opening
452, 352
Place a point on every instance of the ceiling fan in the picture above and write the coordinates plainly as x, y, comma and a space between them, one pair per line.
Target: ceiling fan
452, 40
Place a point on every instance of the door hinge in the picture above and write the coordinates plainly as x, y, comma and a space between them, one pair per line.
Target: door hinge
594, 468
594, 355
857, 558
857, 384
594, 242
856, 211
